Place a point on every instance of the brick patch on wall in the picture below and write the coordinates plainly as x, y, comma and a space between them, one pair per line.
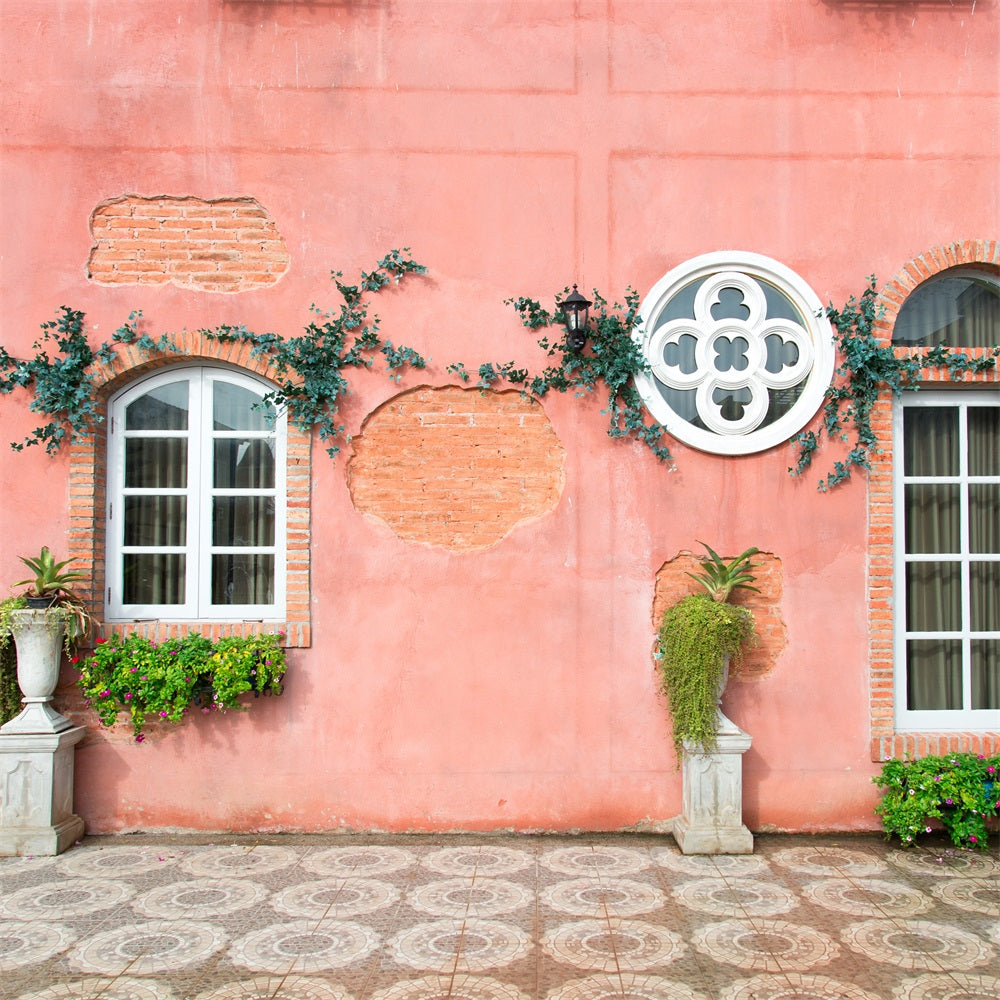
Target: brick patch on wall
220, 245
456, 467
672, 583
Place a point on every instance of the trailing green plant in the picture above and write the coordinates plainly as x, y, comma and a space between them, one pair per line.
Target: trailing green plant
310, 368
168, 680
612, 358
961, 791
868, 368
699, 637
10, 693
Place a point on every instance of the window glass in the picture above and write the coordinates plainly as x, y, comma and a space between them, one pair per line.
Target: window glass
164, 408
196, 500
958, 308
948, 560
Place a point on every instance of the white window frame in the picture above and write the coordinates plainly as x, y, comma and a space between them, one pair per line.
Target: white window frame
944, 720
728, 267
198, 547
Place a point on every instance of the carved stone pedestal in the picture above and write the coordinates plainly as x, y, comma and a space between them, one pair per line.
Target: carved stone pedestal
711, 820
36, 792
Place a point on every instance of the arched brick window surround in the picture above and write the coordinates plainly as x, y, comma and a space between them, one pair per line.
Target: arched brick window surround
88, 497
885, 741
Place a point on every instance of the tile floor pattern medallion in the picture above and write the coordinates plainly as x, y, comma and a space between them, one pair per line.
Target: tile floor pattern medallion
585, 897
471, 945
795, 986
956, 986
769, 945
918, 944
617, 917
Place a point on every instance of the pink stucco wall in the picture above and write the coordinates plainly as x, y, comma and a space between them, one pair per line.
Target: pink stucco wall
515, 147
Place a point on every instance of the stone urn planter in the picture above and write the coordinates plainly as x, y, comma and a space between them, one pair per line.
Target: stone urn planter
38, 636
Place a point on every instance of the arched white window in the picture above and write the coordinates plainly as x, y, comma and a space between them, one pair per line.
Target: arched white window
946, 488
196, 499
740, 352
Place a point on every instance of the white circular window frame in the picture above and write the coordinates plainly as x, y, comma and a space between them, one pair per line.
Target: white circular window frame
817, 326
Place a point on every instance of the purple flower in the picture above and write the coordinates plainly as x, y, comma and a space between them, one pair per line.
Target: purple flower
128, 695
937, 777
133, 670
163, 715
139, 738
949, 802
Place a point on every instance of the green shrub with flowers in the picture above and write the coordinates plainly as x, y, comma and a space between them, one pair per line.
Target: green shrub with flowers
960, 790
167, 680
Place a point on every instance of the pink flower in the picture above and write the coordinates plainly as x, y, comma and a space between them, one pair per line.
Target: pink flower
973, 839
163, 715
139, 738
128, 695
74, 659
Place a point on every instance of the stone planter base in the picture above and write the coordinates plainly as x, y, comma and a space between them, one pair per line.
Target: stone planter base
36, 792
711, 820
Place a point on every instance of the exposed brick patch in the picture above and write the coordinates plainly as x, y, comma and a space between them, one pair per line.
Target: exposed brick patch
885, 741
456, 467
221, 245
88, 497
672, 583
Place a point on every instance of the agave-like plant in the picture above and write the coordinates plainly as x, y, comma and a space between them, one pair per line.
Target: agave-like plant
721, 578
52, 581
49, 577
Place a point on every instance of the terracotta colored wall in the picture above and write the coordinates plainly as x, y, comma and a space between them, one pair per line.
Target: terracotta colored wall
515, 146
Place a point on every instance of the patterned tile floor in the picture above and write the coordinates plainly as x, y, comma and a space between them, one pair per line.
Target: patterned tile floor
498, 918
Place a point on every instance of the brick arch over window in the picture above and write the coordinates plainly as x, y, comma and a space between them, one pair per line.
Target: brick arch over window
885, 740
88, 496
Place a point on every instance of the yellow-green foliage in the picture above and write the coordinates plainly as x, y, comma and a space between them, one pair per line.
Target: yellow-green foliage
696, 636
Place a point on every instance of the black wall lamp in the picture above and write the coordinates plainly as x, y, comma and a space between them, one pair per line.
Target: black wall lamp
576, 312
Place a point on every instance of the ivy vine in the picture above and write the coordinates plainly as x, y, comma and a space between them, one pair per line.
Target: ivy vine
310, 379
613, 358
868, 368
310, 370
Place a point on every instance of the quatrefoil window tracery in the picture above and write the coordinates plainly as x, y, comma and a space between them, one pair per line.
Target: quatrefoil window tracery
739, 351
718, 367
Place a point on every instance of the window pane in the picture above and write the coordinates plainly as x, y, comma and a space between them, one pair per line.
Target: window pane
933, 674
164, 408
960, 311
984, 440
933, 597
242, 579
156, 521
984, 596
984, 518
237, 409
933, 521
153, 578
930, 441
986, 673
244, 465
156, 463
243, 521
